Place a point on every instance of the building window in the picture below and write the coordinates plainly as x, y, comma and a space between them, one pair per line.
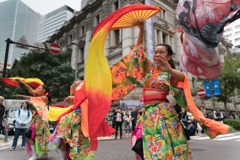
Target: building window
117, 36
70, 39
163, 14
81, 58
115, 6
96, 20
82, 31
165, 38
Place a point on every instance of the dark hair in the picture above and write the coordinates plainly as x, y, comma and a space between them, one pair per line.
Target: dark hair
170, 53
28, 105
48, 91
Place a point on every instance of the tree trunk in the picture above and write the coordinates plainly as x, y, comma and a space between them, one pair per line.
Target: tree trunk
225, 106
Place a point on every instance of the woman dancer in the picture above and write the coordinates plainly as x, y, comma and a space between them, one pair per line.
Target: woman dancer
69, 133
38, 133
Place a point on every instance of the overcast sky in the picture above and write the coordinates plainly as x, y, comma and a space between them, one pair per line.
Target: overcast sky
46, 6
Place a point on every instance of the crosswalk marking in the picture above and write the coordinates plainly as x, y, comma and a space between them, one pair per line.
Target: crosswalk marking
230, 136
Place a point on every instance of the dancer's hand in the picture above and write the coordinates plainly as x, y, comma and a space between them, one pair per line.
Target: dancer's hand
68, 99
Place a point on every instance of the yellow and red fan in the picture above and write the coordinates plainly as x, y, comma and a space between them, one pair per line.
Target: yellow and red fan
34, 82
128, 16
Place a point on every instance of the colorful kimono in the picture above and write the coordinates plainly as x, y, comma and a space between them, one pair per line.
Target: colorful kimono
162, 134
70, 130
39, 126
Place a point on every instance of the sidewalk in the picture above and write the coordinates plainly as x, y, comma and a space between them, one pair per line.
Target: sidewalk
3, 144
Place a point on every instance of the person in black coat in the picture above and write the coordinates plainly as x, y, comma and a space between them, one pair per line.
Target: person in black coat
119, 121
2, 111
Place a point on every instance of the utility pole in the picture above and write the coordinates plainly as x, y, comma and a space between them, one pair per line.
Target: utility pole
5, 63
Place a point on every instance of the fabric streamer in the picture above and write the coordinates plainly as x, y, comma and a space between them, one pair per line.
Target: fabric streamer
202, 25
11, 81
98, 75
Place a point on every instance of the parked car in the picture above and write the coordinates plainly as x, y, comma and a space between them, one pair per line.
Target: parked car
9, 117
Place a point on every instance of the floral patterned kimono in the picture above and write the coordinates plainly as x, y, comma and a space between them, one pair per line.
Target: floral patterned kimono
39, 126
162, 134
70, 130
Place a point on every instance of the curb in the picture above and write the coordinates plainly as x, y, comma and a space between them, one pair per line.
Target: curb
5, 145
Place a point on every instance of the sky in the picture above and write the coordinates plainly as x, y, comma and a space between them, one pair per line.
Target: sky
45, 6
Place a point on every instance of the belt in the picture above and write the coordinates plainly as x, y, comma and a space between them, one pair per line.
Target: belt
154, 97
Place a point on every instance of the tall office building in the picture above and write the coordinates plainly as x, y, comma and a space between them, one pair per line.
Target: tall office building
232, 33
17, 20
52, 21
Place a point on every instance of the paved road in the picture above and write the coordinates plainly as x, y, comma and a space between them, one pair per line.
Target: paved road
226, 147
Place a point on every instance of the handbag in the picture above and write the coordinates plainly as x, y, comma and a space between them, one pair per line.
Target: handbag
138, 147
28, 133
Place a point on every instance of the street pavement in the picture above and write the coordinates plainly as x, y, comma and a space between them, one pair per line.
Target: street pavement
224, 147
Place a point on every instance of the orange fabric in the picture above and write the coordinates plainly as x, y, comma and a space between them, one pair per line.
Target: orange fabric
40, 106
84, 114
214, 127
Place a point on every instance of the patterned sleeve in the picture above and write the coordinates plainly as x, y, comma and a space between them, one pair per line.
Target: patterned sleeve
178, 93
128, 72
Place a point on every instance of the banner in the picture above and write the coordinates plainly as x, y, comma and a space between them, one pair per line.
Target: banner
216, 87
207, 87
150, 33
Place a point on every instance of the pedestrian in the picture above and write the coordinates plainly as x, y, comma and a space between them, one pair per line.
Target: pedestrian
113, 118
23, 117
2, 112
38, 132
218, 116
134, 117
127, 121
119, 121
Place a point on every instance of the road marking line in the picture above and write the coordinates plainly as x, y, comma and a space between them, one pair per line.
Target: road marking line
227, 138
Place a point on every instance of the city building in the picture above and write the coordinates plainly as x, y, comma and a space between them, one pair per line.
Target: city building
232, 33
75, 35
52, 21
17, 20
9, 66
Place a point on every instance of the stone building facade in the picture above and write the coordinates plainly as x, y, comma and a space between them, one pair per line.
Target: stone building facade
75, 35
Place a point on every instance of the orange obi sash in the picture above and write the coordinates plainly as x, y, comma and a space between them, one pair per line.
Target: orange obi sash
154, 97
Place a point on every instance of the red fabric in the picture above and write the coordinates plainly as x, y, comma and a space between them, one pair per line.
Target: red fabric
10, 82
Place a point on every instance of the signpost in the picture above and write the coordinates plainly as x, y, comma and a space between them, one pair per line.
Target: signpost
201, 92
55, 48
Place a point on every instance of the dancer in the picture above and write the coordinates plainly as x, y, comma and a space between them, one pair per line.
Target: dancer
70, 133
38, 133
163, 136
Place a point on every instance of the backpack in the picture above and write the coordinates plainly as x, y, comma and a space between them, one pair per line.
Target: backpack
19, 110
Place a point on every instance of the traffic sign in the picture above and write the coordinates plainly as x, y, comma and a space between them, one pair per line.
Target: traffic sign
201, 92
55, 48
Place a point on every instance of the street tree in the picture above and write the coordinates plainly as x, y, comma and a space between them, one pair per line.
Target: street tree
54, 70
229, 79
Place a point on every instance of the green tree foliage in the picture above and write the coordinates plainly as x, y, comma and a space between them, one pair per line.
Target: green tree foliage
229, 79
54, 70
